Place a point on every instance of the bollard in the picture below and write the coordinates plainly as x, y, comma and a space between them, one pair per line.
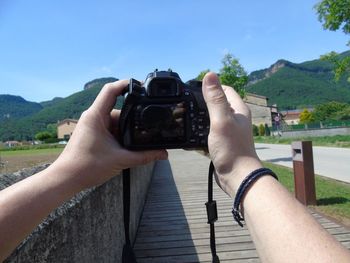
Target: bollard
304, 176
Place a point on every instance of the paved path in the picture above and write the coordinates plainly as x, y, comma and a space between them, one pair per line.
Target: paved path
174, 227
328, 161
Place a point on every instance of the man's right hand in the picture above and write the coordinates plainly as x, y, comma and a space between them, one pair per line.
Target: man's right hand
230, 142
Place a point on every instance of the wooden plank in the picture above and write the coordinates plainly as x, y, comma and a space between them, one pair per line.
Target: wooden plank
174, 225
243, 254
199, 249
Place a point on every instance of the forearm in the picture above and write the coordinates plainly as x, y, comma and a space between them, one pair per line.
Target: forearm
283, 230
24, 205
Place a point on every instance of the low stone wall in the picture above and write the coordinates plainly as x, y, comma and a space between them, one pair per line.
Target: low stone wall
89, 227
317, 132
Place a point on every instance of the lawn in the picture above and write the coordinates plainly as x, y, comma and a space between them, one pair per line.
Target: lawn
12, 161
30, 152
333, 197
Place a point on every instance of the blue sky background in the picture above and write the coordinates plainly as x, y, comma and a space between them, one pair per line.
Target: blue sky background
52, 48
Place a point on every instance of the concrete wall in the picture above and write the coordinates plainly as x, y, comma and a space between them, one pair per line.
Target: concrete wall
255, 99
260, 114
89, 227
316, 132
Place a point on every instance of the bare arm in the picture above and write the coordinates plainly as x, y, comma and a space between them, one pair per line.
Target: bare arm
91, 157
281, 228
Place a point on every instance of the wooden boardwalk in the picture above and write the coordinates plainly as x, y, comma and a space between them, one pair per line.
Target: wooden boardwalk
174, 227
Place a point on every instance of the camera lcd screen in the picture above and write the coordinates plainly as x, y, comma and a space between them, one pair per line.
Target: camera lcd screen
159, 124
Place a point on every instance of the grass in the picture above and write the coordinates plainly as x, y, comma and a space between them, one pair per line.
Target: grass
330, 141
333, 197
34, 151
31, 147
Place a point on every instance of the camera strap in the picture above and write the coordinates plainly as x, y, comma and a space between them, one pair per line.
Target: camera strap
212, 214
128, 255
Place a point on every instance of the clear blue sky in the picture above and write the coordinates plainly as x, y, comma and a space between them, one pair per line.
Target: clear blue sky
52, 48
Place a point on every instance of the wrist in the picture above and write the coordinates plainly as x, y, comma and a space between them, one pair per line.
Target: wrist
68, 175
242, 168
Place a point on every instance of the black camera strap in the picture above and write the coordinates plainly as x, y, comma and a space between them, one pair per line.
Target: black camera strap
128, 255
212, 213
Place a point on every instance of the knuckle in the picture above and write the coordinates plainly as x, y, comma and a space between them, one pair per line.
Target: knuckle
218, 97
145, 159
221, 124
84, 114
106, 86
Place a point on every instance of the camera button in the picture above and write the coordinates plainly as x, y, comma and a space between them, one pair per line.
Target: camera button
193, 140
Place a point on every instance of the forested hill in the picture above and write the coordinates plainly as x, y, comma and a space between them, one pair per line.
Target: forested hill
291, 85
15, 107
49, 112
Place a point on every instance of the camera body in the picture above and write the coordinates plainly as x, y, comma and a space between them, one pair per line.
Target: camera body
164, 113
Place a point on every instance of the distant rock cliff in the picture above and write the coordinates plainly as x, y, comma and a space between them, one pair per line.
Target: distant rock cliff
100, 81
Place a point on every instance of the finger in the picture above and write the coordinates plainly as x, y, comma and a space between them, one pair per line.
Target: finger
235, 100
107, 97
115, 114
215, 97
114, 122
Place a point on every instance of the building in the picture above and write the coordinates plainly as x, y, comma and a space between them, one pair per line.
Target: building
11, 144
65, 128
291, 117
261, 112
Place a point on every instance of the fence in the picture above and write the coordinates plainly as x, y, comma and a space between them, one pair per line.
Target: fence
310, 126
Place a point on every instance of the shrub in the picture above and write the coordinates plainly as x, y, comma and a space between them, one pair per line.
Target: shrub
261, 130
255, 130
267, 130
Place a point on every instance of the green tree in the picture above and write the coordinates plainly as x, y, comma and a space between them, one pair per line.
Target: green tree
267, 130
52, 128
261, 130
334, 14
233, 74
343, 114
202, 74
255, 130
328, 111
42, 136
306, 117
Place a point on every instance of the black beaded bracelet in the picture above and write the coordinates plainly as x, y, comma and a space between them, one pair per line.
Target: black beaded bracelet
251, 178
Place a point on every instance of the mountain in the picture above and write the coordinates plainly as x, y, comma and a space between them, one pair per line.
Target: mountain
50, 112
297, 85
50, 103
99, 81
15, 107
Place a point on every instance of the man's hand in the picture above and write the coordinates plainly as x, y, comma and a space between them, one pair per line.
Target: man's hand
93, 152
230, 141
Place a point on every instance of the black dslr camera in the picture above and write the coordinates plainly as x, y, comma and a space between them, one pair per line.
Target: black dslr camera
164, 113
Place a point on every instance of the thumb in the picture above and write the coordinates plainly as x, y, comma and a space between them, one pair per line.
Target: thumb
215, 97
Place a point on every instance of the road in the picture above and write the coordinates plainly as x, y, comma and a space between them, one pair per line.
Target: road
328, 161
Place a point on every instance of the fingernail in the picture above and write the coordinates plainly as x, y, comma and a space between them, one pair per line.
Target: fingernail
211, 79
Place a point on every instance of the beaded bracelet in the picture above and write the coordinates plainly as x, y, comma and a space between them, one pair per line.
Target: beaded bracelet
249, 180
